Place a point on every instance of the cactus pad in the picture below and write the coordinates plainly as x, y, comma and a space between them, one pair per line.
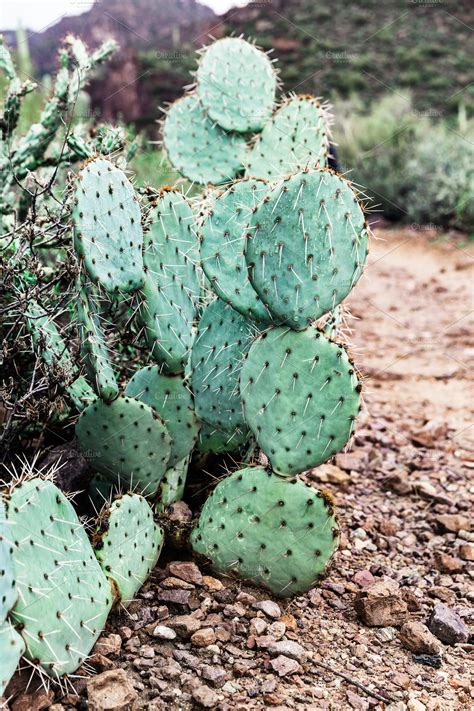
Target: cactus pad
300, 396
295, 137
197, 148
64, 598
223, 338
128, 543
8, 589
12, 647
173, 483
271, 531
107, 227
125, 439
172, 400
236, 83
308, 247
213, 440
223, 235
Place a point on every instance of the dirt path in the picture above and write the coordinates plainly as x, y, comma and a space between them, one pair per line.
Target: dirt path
411, 463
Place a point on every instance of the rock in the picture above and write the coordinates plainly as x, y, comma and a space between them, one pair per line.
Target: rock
147, 652
430, 434
203, 637
452, 523
329, 473
163, 632
110, 644
212, 584
364, 578
380, 604
416, 637
356, 701
214, 675
352, 461
447, 626
101, 663
466, 551
187, 571
184, 625
288, 649
284, 665
257, 626
399, 483
35, 701
446, 563
177, 597
110, 691
415, 705
269, 608
277, 629
386, 634
402, 680
206, 697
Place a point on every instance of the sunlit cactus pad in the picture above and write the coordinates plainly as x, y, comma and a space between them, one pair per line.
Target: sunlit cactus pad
8, 587
270, 531
107, 227
308, 246
126, 441
198, 148
223, 233
296, 137
64, 598
171, 398
236, 83
300, 396
128, 543
12, 647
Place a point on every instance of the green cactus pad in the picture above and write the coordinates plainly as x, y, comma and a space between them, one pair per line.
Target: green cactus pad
236, 83
214, 440
64, 598
8, 589
12, 647
173, 280
107, 227
128, 543
223, 338
197, 148
126, 439
295, 137
223, 236
300, 395
308, 246
80, 393
173, 483
271, 531
94, 347
172, 400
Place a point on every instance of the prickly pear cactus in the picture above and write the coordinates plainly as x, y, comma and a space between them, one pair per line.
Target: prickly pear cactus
8, 587
170, 397
12, 647
198, 148
300, 396
308, 246
296, 137
224, 232
128, 543
173, 483
108, 234
213, 440
236, 83
126, 441
64, 598
270, 531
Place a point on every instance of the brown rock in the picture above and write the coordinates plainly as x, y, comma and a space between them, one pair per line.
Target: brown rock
269, 608
214, 675
446, 563
35, 701
452, 523
447, 626
399, 483
352, 461
380, 604
184, 625
203, 637
205, 697
187, 571
430, 434
416, 637
284, 665
111, 691
288, 649
212, 584
364, 578
402, 680
466, 551
177, 597
329, 473
257, 626
110, 644
356, 701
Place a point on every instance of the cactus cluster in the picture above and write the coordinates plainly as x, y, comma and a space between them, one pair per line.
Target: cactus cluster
233, 302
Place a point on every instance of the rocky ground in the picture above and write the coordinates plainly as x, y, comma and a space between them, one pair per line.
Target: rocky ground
389, 627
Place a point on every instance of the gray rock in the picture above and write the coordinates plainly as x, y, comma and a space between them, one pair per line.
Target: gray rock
214, 675
288, 649
163, 632
206, 697
284, 665
269, 608
447, 626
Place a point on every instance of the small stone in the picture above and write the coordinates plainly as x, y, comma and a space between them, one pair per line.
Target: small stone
356, 701
36, 701
453, 522
399, 483
110, 644
430, 434
205, 697
288, 649
277, 629
269, 608
446, 563
214, 675
212, 584
352, 461
184, 625
416, 637
329, 473
380, 604
402, 680
110, 691
100, 663
290, 622
147, 652
187, 571
173, 582
447, 626
466, 551
415, 705
284, 665
203, 637
177, 597
364, 578
163, 632
257, 626
386, 634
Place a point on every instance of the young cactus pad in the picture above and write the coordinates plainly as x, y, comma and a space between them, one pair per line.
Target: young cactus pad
173, 483
107, 227
125, 440
224, 336
308, 246
236, 83
169, 396
300, 395
295, 138
198, 148
271, 531
128, 543
64, 598
12, 647
223, 234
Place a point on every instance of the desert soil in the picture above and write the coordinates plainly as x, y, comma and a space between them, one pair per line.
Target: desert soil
411, 464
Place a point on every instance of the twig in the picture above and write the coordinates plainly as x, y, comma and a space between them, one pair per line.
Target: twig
360, 686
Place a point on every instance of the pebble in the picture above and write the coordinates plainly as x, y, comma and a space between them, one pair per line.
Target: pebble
466, 551
110, 691
446, 563
203, 637
269, 608
416, 637
380, 604
277, 629
108, 644
214, 675
206, 697
284, 665
257, 626
364, 578
187, 571
447, 626
163, 632
184, 625
288, 649
453, 522
212, 584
